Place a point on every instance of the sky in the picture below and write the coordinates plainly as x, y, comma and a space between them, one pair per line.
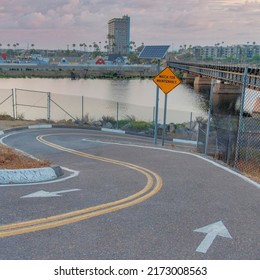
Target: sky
58, 24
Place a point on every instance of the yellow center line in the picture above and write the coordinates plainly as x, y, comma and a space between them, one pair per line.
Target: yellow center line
153, 186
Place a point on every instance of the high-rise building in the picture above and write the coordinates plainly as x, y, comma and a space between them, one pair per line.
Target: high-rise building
119, 35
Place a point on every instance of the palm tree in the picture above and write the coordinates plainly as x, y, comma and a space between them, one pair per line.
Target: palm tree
95, 46
80, 46
131, 45
106, 46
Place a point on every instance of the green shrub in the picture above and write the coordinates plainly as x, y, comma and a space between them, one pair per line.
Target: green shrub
141, 125
108, 119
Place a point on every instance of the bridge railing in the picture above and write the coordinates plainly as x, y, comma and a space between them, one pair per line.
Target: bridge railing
226, 73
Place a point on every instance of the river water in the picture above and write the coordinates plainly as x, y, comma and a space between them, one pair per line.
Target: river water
135, 97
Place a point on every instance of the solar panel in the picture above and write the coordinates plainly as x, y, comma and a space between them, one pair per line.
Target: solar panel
158, 52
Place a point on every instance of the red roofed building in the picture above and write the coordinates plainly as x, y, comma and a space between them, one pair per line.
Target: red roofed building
3, 56
100, 60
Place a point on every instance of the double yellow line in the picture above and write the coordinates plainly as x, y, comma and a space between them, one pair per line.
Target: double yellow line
153, 186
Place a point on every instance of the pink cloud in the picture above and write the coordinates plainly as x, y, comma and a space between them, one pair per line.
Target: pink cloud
187, 21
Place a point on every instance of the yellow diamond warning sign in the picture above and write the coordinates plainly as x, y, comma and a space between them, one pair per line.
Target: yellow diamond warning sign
167, 80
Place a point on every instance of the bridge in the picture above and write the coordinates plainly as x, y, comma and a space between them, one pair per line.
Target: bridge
232, 74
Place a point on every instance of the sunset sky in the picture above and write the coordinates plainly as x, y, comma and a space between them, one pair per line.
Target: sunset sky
55, 24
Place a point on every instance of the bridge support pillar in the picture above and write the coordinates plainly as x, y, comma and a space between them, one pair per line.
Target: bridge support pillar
223, 88
199, 81
188, 78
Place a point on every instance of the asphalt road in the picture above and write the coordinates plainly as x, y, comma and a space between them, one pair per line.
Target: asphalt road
131, 200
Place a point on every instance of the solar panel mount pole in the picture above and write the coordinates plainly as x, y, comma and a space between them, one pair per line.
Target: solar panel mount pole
156, 108
155, 52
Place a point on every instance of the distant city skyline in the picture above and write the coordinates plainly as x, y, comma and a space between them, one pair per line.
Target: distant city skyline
61, 23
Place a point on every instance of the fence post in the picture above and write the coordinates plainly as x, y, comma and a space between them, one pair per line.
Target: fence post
248, 134
14, 103
153, 115
241, 123
190, 120
49, 107
198, 136
117, 109
191, 132
82, 108
229, 144
209, 115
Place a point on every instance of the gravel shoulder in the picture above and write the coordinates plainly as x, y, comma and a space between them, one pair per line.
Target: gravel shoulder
12, 159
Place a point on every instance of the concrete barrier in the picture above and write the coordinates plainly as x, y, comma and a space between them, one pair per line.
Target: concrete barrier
32, 175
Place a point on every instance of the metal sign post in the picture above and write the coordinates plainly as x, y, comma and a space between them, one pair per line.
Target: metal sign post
164, 118
166, 81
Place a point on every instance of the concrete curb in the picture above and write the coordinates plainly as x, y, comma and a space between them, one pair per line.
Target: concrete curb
113, 130
32, 175
185, 142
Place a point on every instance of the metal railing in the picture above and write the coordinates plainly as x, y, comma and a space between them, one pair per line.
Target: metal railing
227, 73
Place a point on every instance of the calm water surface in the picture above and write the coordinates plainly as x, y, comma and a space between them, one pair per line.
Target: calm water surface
181, 101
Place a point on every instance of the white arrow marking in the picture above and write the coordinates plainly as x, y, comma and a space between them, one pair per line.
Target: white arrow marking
212, 232
48, 194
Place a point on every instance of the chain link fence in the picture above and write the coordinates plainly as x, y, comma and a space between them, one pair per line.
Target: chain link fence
247, 157
231, 132
221, 139
7, 102
50, 107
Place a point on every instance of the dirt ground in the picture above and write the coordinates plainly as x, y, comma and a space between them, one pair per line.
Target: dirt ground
6, 124
11, 159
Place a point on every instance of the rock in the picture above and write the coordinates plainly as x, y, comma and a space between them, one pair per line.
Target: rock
127, 126
109, 125
97, 123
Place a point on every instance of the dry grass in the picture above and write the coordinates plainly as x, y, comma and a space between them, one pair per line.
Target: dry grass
11, 159
250, 169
